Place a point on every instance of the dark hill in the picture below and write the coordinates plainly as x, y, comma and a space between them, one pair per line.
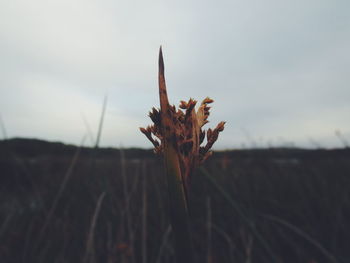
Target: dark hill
29, 148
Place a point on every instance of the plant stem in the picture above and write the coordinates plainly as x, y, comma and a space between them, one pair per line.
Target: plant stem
177, 197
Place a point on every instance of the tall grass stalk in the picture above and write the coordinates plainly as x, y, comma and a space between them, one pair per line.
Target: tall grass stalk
127, 212
144, 214
61, 189
99, 132
90, 249
3, 128
209, 234
180, 134
164, 243
177, 198
88, 128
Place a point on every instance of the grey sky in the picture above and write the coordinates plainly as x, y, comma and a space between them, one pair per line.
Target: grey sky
279, 71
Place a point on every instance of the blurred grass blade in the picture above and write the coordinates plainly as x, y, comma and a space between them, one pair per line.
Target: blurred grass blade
88, 128
90, 249
241, 213
99, 132
3, 128
301, 233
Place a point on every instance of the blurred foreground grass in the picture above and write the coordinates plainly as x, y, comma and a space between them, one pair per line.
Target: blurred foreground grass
63, 203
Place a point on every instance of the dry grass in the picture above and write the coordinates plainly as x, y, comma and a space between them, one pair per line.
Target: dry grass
178, 136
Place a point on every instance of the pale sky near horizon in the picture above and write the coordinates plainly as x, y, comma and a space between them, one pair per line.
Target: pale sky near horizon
279, 71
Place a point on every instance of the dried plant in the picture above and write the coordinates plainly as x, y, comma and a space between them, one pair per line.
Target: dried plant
178, 134
181, 129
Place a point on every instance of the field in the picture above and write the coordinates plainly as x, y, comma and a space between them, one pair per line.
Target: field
62, 203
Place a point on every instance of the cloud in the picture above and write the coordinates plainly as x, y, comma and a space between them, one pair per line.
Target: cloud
275, 69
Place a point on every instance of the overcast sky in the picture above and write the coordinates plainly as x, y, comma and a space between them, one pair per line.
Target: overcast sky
279, 71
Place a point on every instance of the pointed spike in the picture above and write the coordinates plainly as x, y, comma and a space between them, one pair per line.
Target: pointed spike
163, 96
161, 61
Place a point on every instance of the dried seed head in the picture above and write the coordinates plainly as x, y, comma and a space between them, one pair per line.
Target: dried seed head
182, 128
155, 116
183, 105
207, 100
